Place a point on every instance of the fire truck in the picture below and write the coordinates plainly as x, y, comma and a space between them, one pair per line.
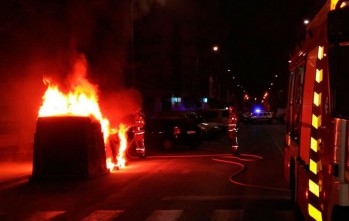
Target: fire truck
317, 118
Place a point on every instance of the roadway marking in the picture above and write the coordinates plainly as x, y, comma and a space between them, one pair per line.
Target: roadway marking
168, 215
103, 215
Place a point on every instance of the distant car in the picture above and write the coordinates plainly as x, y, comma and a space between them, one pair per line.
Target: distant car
219, 116
261, 117
207, 128
245, 116
169, 132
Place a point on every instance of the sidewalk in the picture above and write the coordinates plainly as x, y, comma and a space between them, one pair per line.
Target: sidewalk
14, 171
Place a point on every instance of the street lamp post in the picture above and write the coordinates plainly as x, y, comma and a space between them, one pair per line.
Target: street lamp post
215, 49
132, 47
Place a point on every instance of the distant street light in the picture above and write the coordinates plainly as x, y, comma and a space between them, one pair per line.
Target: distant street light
215, 48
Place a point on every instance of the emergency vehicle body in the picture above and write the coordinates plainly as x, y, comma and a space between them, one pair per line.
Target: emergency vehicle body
317, 118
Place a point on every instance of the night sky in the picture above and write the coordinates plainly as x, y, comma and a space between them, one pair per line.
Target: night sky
257, 37
42, 37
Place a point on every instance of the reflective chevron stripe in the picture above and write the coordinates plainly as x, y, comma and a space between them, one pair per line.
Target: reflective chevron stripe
315, 204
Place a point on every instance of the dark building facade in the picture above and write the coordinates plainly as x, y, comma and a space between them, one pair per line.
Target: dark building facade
174, 68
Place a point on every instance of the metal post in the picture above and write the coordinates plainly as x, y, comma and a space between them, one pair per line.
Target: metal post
132, 48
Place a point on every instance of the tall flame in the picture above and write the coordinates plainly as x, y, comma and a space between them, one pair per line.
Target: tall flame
123, 145
120, 159
82, 100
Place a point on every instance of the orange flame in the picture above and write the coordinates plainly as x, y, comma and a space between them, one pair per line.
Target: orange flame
82, 100
123, 145
121, 156
74, 103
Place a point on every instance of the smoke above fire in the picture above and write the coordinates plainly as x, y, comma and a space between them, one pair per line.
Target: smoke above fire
43, 39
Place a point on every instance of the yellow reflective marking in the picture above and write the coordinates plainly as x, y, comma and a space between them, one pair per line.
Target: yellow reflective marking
320, 53
313, 166
316, 121
315, 213
314, 144
317, 99
319, 75
333, 4
314, 188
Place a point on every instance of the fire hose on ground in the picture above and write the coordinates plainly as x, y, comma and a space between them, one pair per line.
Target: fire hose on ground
218, 158
229, 158
250, 158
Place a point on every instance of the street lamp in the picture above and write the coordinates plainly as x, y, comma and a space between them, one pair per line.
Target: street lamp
215, 48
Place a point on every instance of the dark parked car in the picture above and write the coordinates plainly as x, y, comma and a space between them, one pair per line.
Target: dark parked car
168, 132
208, 129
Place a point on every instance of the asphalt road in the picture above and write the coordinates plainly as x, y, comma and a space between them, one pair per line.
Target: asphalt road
201, 184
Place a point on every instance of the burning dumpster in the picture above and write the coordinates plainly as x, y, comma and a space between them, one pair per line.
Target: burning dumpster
71, 137
68, 147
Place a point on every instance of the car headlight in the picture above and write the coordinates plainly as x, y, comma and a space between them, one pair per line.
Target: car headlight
202, 127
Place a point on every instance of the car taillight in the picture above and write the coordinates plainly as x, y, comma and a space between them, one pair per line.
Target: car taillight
176, 131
